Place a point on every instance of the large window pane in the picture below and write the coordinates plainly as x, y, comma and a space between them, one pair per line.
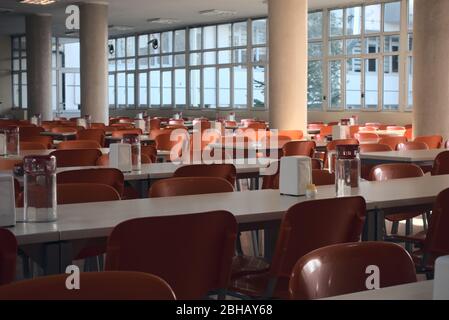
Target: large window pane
167, 42
315, 25
240, 33
210, 41
120, 47
130, 46
260, 32
195, 39
371, 83
410, 14
224, 87
224, 35
353, 83
353, 47
155, 88
195, 88
335, 84
410, 82
258, 86
315, 49
391, 43
121, 89
143, 89
353, 21
392, 17
372, 18
71, 55
336, 22
260, 55
315, 85
143, 45
71, 91
210, 97
180, 87
166, 88
390, 84
156, 36
111, 89
372, 45
180, 40
131, 89
335, 47
240, 87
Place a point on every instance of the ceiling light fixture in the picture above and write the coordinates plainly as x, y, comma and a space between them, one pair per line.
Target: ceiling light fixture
219, 13
163, 21
38, 2
120, 28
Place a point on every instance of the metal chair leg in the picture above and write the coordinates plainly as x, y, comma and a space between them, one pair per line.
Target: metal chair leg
255, 242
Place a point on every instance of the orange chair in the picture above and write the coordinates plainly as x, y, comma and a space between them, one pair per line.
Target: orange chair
176, 122
150, 152
224, 171
433, 142
174, 187
45, 140
292, 134
385, 172
392, 141
121, 133
154, 123
325, 131
76, 158
108, 176
341, 269
69, 193
25, 146
164, 141
332, 146
373, 124
371, 147
409, 134
27, 132
8, 254
192, 252
272, 181
112, 285
78, 144
299, 148
299, 234
323, 177
366, 137
353, 130
97, 125
412, 145
230, 124
8, 164
97, 135
441, 164
66, 129
395, 128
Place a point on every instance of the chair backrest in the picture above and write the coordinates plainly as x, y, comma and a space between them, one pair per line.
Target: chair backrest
76, 158
433, 142
26, 132
392, 141
78, 144
395, 128
109, 176
121, 133
204, 244
8, 254
302, 229
189, 186
367, 137
323, 177
45, 140
391, 171
24, 146
65, 129
69, 193
331, 146
150, 152
324, 272
374, 147
97, 125
272, 181
412, 145
154, 123
441, 164
97, 135
224, 171
164, 140
326, 131
299, 148
8, 163
111, 285
292, 134
437, 240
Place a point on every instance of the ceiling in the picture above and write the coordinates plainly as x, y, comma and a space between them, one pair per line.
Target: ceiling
135, 13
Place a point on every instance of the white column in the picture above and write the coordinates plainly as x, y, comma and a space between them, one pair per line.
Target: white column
38, 44
431, 68
288, 64
94, 60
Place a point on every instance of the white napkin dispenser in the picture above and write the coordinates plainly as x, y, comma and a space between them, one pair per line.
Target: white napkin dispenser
295, 174
34, 120
7, 201
140, 124
120, 157
81, 122
3, 145
340, 132
441, 280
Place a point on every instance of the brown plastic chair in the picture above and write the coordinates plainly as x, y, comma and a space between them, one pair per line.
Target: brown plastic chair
78, 144
366, 137
371, 147
66, 129
433, 142
174, 187
332, 146
341, 269
302, 231
121, 133
109, 176
150, 152
97, 125
8, 254
45, 140
224, 171
112, 285
27, 132
413, 145
292, 134
392, 141
154, 124
164, 142
323, 177
97, 135
25, 146
192, 252
9, 164
441, 164
69, 193
299, 148
76, 158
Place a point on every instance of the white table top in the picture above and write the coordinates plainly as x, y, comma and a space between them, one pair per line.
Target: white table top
404, 156
143, 138
58, 134
81, 221
412, 291
23, 153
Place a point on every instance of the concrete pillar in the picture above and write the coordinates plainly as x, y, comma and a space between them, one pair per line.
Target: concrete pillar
431, 68
288, 64
38, 43
94, 60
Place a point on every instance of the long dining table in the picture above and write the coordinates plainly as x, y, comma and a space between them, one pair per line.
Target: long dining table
418, 157
54, 245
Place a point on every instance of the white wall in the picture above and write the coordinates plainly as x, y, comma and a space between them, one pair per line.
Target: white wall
5, 75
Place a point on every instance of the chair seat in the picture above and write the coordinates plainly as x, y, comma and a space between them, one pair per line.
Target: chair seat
255, 285
243, 265
402, 216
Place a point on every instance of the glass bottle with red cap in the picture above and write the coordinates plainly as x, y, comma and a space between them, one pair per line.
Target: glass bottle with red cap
136, 150
347, 169
40, 188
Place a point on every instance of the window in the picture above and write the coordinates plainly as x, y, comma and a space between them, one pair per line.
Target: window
19, 75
